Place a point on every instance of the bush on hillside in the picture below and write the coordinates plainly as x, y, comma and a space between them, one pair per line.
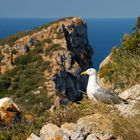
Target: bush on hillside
123, 70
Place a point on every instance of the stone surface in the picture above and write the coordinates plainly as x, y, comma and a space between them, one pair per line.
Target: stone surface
51, 132
105, 61
9, 112
95, 122
132, 95
91, 127
68, 128
92, 136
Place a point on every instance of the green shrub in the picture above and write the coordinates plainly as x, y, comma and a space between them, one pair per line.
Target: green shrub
52, 48
49, 40
5, 82
23, 60
123, 70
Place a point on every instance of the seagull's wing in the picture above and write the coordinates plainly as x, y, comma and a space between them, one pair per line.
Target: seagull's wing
107, 97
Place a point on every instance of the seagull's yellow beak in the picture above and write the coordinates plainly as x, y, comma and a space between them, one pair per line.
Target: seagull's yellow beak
83, 73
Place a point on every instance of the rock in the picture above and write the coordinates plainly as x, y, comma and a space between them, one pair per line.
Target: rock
77, 136
26, 49
51, 132
89, 127
106, 61
68, 128
78, 21
9, 112
36, 92
73, 131
34, 137
105, 135
100, 76
128, 110
67, 86
132, 95
91, 137
95, 122
65, 137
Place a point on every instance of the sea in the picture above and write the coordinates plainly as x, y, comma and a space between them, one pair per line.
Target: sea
103, 34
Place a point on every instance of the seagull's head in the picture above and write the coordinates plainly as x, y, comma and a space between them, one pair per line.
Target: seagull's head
89, 72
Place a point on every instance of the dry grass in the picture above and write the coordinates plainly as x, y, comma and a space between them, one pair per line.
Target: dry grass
126, 128
72, 112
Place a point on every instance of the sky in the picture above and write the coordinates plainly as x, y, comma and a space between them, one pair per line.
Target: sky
65, 8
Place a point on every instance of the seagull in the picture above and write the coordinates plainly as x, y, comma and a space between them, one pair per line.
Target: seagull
97, 93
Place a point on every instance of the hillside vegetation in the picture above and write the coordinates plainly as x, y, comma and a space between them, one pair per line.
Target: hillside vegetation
123, 70
29, 63
26, 82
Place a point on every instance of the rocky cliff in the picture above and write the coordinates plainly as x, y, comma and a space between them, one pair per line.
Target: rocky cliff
43, 65
61, 47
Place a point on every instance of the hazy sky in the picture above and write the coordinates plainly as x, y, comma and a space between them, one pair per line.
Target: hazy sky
63, 8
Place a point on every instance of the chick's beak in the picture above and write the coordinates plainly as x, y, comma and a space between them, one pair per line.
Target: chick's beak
83, 73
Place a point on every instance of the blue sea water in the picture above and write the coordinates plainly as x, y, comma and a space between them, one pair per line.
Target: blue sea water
103, 34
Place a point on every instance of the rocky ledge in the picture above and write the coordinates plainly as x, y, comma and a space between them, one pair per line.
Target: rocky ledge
86, 128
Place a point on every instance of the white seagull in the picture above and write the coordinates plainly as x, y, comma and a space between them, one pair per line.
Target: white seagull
97, 93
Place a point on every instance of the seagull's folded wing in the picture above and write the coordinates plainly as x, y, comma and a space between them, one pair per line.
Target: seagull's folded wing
106, 97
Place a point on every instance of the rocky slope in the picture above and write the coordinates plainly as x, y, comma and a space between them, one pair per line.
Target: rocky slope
43, 65
60, 50
95, 121
41, 68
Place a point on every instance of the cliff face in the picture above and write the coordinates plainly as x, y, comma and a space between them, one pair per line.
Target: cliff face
61, 46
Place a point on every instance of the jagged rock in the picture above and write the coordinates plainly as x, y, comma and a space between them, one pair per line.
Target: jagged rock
9, 112
51, 132
74, 131
93, 123
92, 136
65, 47
101, 78
67, 86
77, 136
34, 137
132, 95
106, 135
26, 49
91, 127
105, 61
68, 128
128, 110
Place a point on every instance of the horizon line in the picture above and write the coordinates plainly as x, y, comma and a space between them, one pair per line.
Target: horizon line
69, 16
